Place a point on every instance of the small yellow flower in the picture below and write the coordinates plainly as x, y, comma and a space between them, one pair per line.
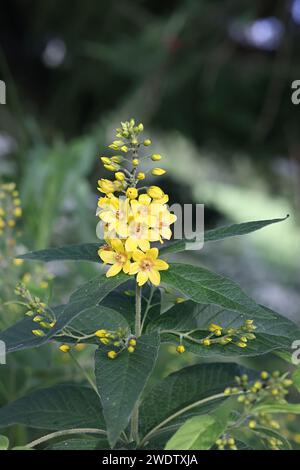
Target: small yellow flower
147, 142
105, 160
106, 186
132, 193
156, 157
111, 354
264, 375
18, 262
117, 256
132, 342
147, 266
101, 333
104, 341
252, 424
241, 344
157, 194
206, 342
120, 176
158, 171
135, 162
140, 176
38, 333
180, 349
130, 349
64, 348
18, 212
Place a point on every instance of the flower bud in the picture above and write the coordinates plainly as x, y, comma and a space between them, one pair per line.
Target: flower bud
180, 349
158, 171
64, 348
156, 157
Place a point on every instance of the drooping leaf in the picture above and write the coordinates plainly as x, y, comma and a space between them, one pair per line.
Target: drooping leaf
197, 433
220, 233
121, 381
55, 408
186, 388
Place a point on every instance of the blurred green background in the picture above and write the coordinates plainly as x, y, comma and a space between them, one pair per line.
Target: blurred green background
210, 80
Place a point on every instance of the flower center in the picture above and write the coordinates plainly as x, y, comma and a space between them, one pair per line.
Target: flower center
146, 264
120, 258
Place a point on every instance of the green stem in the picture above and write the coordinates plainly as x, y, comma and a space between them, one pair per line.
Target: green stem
138, 330
65, 432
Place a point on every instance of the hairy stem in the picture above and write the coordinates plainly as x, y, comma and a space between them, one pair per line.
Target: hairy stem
138, 331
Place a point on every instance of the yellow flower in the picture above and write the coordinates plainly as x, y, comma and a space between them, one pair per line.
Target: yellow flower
130, 349
117, 256
64, 348
111, 354
135, 162
132, 193
158, 171
163, 220
147, 266
140, 176
147, 142
156, 157
106, 186
138, 235
114, 212
157, 194
143, 211
120, 176
101, 333
180, 349
111, 167
105, 160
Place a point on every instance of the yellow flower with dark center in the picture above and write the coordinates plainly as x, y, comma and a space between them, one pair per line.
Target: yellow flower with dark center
116, 255
147, 266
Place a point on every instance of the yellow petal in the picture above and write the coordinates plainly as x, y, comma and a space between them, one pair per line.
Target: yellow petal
144, 244
131, 244
107, 256
134, 267
144, 199
117, 245
166, 233
126, 267
142, 278
138, 255
161, 265
114, 270
154, 277
152, 254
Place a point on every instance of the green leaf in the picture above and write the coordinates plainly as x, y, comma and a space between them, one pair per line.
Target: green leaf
82, 252
205, 287
197, 433
222, 232
185, 388
89, 251
272, 332
121, 381
293, 408
89, 295
55, 408
4, 443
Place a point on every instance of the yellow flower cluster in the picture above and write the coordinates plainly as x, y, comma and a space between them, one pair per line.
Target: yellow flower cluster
268, 388
226, 443
37, 311
10, 206
132, 219
219, 335
118, 339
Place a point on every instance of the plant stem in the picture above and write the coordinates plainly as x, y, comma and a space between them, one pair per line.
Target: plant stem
138, 330
65, 432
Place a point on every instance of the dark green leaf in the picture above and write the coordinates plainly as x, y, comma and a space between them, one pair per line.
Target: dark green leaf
83, 252
4, 443
220, 233
121, 381
55, 408
80, 443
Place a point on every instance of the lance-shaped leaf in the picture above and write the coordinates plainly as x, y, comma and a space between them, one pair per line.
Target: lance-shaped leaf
20, 336
293, 408
55, 408
89, 251
82, 252
121, 381
205, 287
221, 233
197, 433
190, 391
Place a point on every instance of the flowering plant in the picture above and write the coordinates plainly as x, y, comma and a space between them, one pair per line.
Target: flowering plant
122, 314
